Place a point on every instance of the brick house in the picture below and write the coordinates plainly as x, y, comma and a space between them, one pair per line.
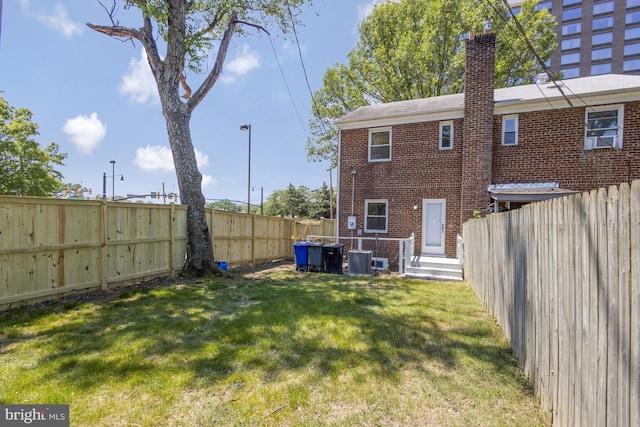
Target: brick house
426, 165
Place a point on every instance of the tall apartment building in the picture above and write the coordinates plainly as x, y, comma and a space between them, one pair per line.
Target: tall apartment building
594, 36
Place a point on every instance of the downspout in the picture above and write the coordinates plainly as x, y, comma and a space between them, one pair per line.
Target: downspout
337, 227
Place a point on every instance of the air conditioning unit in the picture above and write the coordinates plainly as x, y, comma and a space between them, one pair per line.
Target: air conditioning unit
379, 263
359, 262
602, 142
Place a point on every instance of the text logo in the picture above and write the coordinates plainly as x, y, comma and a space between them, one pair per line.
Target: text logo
34, 415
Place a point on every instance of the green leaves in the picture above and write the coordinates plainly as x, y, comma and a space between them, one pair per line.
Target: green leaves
300, 202
26, 169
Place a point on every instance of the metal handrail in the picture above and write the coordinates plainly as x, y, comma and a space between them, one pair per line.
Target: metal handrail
406, 247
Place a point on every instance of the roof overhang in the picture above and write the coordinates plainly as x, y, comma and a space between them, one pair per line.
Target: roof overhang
579, 93
527, 192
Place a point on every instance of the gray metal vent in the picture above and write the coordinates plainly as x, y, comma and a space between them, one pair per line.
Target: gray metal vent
360, 262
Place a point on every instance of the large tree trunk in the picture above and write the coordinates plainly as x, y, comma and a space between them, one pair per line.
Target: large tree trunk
199, 246
167, 73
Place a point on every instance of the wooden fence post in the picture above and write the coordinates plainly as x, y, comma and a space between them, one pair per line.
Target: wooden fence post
103, 247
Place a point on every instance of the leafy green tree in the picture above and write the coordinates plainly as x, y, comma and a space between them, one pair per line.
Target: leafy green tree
415, 49
299, 202
26, 169
320, 204
191, 29
225, 205
291, 202
75, 190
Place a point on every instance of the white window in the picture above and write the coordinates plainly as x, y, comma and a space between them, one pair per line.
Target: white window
510, 130
380, 145
446, 136
604, 127
376, 216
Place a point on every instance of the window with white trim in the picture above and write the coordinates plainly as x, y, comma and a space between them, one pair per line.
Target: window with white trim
604, 127
445, 141
510, 130
380, 145
376, 215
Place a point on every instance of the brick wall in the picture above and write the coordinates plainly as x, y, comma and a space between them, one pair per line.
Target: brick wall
418, 170
551, 149
479, 85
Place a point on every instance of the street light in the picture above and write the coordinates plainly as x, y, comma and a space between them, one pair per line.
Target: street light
248, 127
113, 181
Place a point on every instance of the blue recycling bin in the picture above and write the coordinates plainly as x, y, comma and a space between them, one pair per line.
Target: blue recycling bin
301, 254
316, 261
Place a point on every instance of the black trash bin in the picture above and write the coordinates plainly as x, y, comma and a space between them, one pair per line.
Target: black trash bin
333, 255
315, 260
301, 253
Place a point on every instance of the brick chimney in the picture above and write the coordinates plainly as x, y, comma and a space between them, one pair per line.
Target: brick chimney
477, 144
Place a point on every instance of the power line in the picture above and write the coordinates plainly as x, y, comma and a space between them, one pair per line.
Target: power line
288, 89
523, 35
316, 110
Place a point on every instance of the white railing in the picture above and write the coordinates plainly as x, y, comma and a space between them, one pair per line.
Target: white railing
405, 246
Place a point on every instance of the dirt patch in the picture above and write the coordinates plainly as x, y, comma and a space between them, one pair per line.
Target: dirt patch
106, 295
276, 265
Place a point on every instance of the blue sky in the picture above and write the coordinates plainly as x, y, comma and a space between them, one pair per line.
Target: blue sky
94, 96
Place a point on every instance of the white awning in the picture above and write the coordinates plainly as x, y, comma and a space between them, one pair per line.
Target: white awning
534, 192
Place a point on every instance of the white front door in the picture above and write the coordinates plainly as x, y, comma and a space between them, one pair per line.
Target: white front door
433, 226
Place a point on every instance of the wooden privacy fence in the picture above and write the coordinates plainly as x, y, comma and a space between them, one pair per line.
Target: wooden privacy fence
562, 277
50, 247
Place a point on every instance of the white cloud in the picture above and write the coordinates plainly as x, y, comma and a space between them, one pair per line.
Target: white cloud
246, 60
58, 19
86, 132
365, 9
159, 158
138, 82
208, 181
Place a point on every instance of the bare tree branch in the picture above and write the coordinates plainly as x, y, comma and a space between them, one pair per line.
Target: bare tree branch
117, 31
111, 12
150, 46
254, 25
211, 79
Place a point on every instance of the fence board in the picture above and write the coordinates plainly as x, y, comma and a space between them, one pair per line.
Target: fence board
563, 313
623, 320
578, 284
571, 303
49, 247
634, 352
593, 304
613, 306
545, 298
553, 309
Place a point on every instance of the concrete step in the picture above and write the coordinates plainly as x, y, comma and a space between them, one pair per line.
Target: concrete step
425, 267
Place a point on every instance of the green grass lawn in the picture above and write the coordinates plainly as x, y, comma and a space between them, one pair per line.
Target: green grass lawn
277, 348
